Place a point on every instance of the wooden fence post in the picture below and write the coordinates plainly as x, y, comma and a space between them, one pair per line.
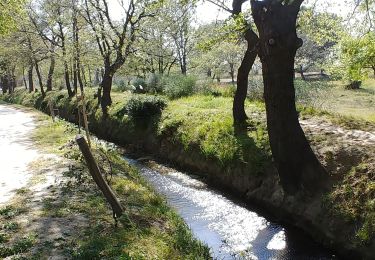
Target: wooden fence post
97, 176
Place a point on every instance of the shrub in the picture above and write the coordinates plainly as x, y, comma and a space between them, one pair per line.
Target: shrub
228, 91
312, 93
207, 87
153, 81
138, 85
145, 106
122, 86
255, 88
178, 86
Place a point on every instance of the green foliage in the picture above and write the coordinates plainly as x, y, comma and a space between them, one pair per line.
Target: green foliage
138, 85
358, 56
206, 122
9, 10
177, 86
353, 200
312, 93
144, 107
121, 86
320, 32
153, 83
255, 88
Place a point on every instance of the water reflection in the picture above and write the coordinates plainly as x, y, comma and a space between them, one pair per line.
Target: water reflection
230, 230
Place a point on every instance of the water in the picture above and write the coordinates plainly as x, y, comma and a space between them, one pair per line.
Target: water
230, 229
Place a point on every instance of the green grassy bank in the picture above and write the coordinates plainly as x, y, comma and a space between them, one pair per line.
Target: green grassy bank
149, 229
197, 133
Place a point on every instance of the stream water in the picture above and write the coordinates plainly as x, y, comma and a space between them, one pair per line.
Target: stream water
230, 229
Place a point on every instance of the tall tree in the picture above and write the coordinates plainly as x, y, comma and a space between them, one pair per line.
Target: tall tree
179, 17
239, 114
295, 161
51, 23
114, 40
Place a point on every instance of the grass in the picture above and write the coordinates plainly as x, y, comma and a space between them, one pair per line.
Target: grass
206, 122
358, 104
353, 200
149, 229
203, 124
11, 241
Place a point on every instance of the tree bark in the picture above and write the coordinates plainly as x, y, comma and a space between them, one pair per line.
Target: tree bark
13, 81
239, 114
40, 79
106, 86
98, 178
301, 73
231, 72
30, 77
23, 77
4, 84
83, 75
51, 72
297, 165
66, 67
67, 79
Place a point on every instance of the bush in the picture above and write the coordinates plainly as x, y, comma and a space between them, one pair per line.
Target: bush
145, 106
312, 93
138, 85
178, 86
122, 86
153, 81
255, 88
228, 91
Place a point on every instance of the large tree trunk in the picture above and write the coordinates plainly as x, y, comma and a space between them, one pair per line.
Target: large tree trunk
13, 81
4, 84
67, 79
183, 67
51, 72
79, 77
106, 86
30, 77
23, 77
75, 79
239, 114
297, 165
83, 75
300, 71
231, 72
40, 79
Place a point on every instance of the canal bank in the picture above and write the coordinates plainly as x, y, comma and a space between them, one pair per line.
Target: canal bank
310, 213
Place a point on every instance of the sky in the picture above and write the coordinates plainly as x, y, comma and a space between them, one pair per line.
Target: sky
208, 12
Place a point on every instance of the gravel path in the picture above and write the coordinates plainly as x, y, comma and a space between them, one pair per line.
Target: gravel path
16, 150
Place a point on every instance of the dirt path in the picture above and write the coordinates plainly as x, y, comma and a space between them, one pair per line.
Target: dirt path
352, 136
30, 187
16, 150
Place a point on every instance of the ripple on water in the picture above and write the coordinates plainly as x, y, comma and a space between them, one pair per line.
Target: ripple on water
230, 230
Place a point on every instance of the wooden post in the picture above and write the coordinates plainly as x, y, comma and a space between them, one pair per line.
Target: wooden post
97, 176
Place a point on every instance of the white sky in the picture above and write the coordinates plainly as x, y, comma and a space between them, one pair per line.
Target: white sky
208, 12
